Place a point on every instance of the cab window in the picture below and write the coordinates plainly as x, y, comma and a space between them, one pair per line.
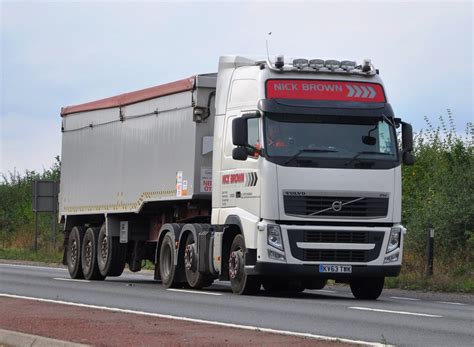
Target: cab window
253, 135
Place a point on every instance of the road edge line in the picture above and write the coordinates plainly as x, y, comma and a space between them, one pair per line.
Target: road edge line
201, 321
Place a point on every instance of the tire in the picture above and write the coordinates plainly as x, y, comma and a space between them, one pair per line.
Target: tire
240, 282
367, 288
89, 255
167, 260
111, 254
194, 278
74, 252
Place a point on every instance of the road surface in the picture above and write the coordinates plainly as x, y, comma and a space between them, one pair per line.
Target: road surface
399, 317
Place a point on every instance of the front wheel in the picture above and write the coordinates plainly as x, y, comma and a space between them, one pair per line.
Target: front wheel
240, 282
367, 288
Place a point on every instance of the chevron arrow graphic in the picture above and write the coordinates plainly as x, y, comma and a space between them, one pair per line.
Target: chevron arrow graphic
373, 93
358, 91
366, 92
351, 90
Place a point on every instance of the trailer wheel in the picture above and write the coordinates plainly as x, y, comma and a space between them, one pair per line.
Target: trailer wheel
89, 255
367, 288
74, 251
112, 254
167, 260
194, 278
240, 282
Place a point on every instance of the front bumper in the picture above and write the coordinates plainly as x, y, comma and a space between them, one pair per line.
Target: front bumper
312, 271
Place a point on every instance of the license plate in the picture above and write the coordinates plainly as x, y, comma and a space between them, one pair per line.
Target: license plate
346, 269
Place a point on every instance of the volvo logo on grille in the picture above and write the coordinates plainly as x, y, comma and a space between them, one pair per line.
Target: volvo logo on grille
337, 205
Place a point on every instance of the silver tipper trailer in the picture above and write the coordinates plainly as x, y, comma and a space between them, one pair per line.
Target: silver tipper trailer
148, 146
276, 174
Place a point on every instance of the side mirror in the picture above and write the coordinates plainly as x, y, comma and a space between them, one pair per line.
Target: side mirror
407, 137
239, 132
408, 158
239, 153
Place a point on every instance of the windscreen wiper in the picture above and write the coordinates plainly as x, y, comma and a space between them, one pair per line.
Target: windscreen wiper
309, 150
365, 152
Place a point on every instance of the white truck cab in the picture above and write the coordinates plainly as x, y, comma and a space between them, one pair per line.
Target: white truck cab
306, 161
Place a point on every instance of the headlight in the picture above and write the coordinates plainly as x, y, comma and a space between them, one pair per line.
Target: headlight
276, 256
391, 258
274, 236
394, 240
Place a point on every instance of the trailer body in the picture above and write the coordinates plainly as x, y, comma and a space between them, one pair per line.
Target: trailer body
116, 159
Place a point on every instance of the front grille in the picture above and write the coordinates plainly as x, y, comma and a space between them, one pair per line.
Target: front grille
323, 206
335, 237
334, 255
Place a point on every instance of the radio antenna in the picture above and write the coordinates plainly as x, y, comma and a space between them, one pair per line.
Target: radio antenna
266, 42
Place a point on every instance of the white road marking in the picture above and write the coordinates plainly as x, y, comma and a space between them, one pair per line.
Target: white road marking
403, 298
70, 279
34, 266
451, 303
194, 320
192, 291
397, 312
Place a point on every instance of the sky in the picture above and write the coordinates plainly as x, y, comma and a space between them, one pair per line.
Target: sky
55, 54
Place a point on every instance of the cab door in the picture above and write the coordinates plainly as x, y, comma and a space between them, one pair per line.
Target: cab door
240, 178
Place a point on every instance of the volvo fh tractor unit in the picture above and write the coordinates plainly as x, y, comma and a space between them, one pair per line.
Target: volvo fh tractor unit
275, 174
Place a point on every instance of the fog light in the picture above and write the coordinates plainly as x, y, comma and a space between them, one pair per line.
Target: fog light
300, 63
391, 258
276, 256
316, 63
348, 65
274, 236
332, 64
394, 240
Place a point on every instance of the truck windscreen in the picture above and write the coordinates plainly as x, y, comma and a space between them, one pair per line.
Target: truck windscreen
329, 141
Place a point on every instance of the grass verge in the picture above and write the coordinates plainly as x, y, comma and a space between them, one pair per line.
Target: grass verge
42, 256
436, 283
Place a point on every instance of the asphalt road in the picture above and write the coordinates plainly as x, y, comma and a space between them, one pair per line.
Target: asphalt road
401, 318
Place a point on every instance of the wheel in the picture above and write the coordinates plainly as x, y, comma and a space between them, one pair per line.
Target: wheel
167, 266
112, 254
240, 282
74, 249
367, 288
89, 255
194, 278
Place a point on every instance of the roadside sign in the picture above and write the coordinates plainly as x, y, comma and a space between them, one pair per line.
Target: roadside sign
45, 196
45, 199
